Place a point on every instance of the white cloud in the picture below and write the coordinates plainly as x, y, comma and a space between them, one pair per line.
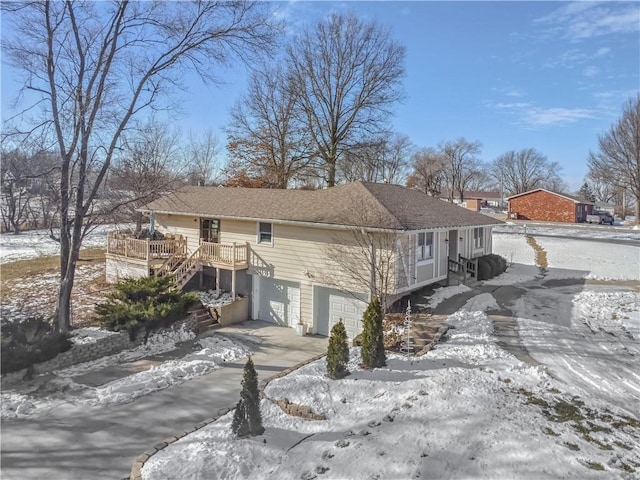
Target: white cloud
532, 116
584, 20
591, 71
602, 52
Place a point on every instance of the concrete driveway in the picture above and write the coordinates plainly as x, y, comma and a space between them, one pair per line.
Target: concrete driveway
102, 443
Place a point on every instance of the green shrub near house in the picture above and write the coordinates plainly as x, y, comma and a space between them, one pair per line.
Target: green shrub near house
34, 340
144, 304
490, 266
338, 352
372, 351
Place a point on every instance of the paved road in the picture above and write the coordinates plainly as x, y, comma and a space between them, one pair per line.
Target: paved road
102, 443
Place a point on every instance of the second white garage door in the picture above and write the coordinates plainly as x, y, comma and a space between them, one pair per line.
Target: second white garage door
331, 305
278, 301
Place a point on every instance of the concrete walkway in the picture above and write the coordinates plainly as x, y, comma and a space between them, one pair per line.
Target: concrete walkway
102, 443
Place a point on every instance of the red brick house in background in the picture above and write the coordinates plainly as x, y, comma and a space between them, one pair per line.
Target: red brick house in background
541, 204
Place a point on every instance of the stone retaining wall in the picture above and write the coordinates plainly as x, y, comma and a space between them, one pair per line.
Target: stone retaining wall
86, 352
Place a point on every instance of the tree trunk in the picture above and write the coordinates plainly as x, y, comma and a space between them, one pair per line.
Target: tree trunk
63, 311
331, 173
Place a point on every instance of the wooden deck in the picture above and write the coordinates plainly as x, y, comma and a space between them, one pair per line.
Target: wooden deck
168, 253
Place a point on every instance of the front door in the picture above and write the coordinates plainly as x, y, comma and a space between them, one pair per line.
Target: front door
453, 245
209, 230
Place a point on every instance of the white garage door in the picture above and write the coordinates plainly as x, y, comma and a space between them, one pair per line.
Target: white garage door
331, 305
278, 301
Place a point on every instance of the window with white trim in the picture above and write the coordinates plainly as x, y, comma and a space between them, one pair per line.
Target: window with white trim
264, 232
425, 245
478, 238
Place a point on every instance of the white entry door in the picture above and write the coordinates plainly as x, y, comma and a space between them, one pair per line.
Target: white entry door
331, 305
278, 301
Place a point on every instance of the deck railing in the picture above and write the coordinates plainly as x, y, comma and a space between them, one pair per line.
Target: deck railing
228, 253
143, 249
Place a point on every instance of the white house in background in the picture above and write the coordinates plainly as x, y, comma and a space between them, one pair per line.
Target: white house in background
299, 254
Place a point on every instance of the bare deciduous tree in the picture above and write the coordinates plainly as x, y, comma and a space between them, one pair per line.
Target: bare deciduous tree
202, 152
94, 66
24, 182
461, 165
148, 165
365, 255
617, 160
381, 160
266, 134
428, 171
346, 76
524, 170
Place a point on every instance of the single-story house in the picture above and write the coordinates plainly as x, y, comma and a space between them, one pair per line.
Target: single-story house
474, 199
541, 204
304, 256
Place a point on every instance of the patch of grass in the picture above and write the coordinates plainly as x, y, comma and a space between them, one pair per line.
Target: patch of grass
506, 380
34, 266
598, 428
572, 446
540, 253
627, 468
554, 390
620, 444
625, 422
532, 399
565, 411
595, 466
549, 431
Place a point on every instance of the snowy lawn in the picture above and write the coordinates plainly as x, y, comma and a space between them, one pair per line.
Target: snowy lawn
38, 243
62, 390
467, 409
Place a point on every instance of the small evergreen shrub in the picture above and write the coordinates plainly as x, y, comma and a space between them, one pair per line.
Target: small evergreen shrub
145, 304
372, 351
31, 341
338, 352
490, 266
247, 420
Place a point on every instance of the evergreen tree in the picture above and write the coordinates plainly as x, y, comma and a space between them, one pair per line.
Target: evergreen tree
373, 355
586, 192
338, 352
247, 419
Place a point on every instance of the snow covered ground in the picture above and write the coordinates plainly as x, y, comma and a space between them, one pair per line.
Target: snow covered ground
38, 243
468, 409
63, 391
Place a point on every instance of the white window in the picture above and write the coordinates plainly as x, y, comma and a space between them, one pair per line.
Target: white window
425, 245
264, 233
478, 237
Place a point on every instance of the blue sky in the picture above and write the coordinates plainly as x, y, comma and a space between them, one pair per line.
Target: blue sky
512, 75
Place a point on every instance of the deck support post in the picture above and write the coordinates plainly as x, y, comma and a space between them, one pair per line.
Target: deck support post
233, 284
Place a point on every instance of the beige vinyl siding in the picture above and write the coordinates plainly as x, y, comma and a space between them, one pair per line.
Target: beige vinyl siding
299, 254
117, 269
186, 226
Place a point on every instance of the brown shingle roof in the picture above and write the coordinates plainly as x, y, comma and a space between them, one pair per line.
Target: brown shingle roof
565, 195
355, 204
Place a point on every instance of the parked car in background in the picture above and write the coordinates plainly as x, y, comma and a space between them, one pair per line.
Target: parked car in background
600, 217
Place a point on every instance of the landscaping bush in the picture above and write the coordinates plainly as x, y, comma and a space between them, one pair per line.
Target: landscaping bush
372, 351
490, 266
144, 304
31, 341
247, 419
337, 352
